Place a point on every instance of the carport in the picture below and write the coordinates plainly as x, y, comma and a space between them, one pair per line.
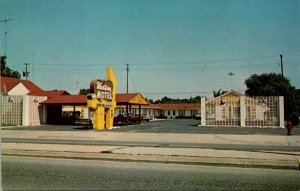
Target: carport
54, 105
131, 99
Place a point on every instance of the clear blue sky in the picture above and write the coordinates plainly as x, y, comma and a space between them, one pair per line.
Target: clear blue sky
185, 47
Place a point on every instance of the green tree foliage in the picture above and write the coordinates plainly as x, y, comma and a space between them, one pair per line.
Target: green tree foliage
219, 92
166, 99
6, 71
84, 91
150, 100
274, 85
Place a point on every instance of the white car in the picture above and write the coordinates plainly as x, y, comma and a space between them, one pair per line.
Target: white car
147, 117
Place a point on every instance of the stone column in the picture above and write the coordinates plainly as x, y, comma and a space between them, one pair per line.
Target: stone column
203, 113
25, 111
242, 111
281, 111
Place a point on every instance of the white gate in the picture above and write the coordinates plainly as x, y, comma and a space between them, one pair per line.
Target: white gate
239, 110
223, 112
262, 111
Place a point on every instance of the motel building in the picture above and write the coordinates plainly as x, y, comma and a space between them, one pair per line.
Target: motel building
23, 103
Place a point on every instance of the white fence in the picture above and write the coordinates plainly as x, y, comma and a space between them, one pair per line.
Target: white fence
243, 111
22, 110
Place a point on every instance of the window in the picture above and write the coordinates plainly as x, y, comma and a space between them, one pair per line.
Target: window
174, 113
181, 113
236, 112
193, 113
169, 113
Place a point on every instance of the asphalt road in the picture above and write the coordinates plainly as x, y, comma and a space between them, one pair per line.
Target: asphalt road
22, 173
169, 126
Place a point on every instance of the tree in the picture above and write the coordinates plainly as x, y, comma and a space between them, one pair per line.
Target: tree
166, 99
150, 100
2, 64
84, 91
6, 71
219, 92
274, 85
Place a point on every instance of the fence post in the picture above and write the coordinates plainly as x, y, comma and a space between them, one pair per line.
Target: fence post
242, 111
25, 111
281, 111
1, 110
203, 112
44, 114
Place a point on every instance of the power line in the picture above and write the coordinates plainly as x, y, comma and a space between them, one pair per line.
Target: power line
75, 65
133, 84
181, 93
161, 63
206, 61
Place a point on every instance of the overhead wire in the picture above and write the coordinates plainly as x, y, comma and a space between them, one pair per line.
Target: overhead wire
133, 84
158, 63
182, 93
201, 66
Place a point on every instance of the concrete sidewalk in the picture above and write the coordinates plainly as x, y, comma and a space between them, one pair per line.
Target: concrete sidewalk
200, 156
157, 137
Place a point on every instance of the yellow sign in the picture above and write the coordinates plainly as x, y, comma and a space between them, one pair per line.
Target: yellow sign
102, 101
102, 89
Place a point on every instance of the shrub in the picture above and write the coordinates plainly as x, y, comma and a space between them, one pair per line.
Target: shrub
294, 118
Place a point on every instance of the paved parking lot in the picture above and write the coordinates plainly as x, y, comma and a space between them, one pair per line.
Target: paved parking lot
168, 126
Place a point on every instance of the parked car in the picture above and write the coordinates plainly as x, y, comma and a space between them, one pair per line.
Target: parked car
121, 119
147, 117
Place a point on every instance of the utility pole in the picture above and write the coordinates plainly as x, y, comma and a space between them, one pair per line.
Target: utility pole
281, 64
127, 106
5, 34
127, 69
26, 73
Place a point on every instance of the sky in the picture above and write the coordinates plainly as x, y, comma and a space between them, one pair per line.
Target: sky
174, 48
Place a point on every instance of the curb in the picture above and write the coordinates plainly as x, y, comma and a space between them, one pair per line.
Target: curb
164, 159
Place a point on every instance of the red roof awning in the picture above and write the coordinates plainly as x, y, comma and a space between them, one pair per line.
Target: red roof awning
125, 98
122, 99
67, 100
49, 94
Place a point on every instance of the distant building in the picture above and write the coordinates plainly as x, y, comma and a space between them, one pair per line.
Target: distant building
169, 111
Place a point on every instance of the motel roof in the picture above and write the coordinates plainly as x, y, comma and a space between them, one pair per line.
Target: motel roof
131, 98
67, 100
49, 94
177, 106
122, 99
